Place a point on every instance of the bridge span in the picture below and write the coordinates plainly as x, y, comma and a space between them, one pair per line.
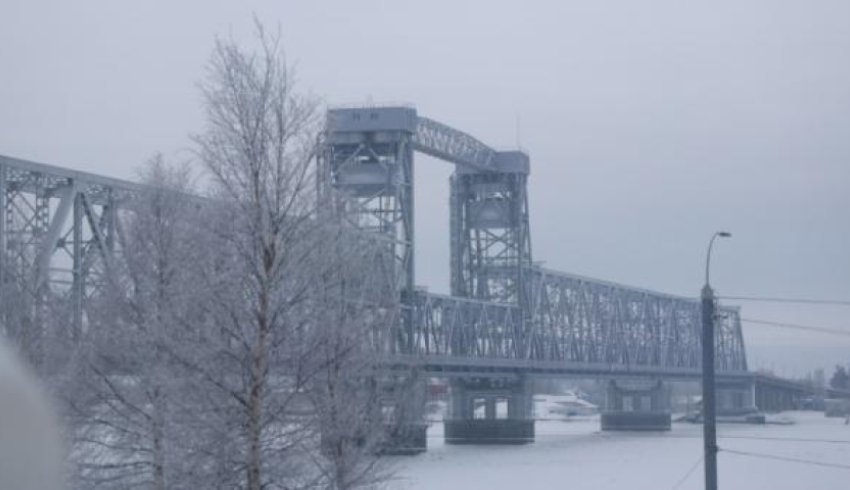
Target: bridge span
507, 320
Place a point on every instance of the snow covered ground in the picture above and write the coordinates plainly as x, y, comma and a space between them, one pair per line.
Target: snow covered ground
574, 454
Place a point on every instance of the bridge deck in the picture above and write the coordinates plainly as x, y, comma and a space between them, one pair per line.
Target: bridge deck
451, 366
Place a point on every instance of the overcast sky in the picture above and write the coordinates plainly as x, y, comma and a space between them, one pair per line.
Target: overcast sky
650, 124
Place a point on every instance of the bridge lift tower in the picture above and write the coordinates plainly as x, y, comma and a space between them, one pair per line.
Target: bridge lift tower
368, 157
490, 239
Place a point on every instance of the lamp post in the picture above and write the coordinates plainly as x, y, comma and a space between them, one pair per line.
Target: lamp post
709, 427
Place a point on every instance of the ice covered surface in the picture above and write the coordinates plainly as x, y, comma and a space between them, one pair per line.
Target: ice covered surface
574, 454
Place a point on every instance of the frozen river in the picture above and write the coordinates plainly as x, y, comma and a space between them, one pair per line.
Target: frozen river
576, 455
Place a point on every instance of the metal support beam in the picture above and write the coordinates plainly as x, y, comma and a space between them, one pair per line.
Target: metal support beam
78, 278
446, 143
4, 260
51, 236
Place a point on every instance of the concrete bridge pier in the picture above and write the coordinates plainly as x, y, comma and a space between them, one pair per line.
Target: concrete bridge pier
636, 405
737, 399
773, 399
403, 408
490, 411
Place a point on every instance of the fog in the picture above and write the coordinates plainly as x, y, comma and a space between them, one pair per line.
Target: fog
650, 124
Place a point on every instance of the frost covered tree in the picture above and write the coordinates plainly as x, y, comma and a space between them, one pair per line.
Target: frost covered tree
129, 389
351, 312
235, 346
840, 379
258, 146
298, 296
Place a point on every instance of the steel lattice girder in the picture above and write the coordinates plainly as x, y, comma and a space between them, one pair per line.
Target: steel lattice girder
453, 326
57, 234
586, 320
577, 322
446, 143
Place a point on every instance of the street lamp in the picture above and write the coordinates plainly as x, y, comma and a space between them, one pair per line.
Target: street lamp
722, 234
709, 423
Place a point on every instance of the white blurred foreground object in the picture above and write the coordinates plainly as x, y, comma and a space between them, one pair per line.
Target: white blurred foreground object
30, 448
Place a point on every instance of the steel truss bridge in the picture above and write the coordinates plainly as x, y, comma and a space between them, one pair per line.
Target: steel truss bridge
504, 314
60, 229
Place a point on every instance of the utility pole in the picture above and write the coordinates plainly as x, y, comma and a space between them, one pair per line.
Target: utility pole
709, 424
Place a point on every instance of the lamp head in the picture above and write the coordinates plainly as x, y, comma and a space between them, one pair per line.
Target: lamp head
721, 234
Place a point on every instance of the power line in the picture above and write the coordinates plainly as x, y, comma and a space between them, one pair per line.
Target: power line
795, 326
539, 435
759, 438
745, 437
787, 439
691, 470
836, 302
786, 458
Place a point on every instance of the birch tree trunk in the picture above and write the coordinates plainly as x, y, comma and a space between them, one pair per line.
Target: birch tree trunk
259, 146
